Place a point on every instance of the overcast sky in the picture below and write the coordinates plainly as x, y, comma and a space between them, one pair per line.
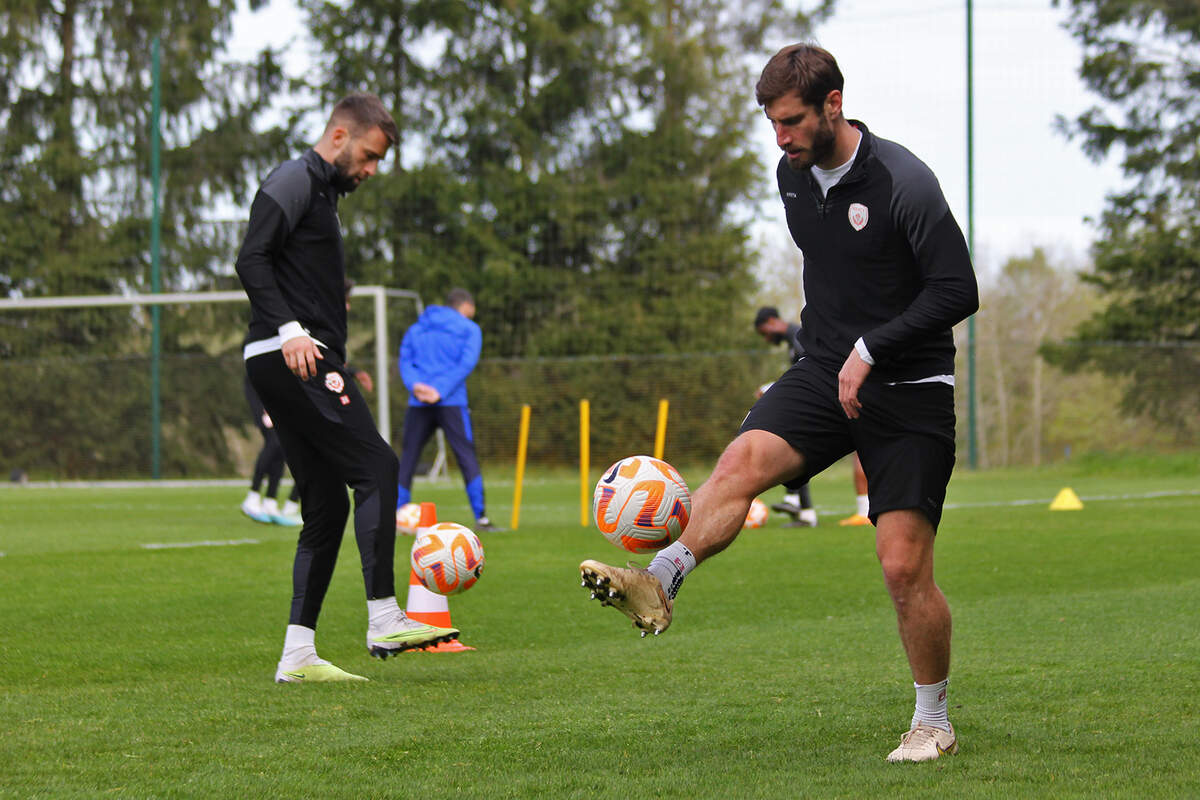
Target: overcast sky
905, 70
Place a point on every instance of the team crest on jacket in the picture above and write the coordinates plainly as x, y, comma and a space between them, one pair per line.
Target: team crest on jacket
334, 382
858, 215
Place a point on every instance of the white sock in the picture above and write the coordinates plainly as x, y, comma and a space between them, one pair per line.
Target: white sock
809, 515
793, 498
378, 611
299, 647
671, 566
864, 505
931, 705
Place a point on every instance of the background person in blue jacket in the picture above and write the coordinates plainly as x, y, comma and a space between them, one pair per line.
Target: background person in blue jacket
437, 354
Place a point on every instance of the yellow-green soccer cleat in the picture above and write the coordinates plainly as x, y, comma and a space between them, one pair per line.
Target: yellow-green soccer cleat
399, 633
925, 743
633, 591
314, 673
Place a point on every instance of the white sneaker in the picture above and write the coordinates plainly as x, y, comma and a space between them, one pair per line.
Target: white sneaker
290, 515
253, 509
399, 633
925, 743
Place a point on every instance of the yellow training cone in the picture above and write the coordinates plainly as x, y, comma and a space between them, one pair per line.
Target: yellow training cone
1066, 500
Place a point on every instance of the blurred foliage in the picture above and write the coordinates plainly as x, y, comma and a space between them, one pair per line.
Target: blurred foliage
1142, 60
583, 166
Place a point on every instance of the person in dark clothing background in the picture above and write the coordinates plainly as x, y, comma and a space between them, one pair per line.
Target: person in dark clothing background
268, 467
797, 500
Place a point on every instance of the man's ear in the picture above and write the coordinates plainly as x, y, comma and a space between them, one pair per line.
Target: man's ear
338, 137
833, 104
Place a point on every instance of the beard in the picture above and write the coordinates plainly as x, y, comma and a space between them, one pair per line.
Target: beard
822, 147
343, 181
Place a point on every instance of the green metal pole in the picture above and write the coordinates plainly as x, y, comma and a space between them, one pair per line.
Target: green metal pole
972, 430
155, 282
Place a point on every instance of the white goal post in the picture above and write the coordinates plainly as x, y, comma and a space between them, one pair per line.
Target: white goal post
379, 294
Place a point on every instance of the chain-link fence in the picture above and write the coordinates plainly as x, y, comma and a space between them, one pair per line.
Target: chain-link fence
76, 390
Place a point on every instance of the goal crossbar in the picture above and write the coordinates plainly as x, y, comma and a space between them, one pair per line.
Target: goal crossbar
379, 294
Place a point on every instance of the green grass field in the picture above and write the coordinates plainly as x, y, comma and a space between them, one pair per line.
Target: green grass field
135, 672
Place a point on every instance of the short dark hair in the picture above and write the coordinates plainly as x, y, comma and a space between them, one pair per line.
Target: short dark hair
808, 70
765, 313
457, 297
362, 111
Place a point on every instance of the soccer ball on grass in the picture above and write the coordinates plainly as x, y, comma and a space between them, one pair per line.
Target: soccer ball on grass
408, 518
641, 504
756, 517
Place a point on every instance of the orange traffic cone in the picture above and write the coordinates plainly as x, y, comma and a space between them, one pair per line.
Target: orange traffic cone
426, 606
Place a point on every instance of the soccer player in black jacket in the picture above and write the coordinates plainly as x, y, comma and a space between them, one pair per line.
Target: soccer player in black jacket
291, 265
887, 275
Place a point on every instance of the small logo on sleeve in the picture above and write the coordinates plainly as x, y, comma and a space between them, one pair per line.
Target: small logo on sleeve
858, 216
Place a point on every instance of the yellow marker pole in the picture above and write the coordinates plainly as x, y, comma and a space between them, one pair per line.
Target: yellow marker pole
522, 444
585, 455
660, 431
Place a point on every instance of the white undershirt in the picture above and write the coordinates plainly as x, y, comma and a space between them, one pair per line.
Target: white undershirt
828, 177
288, 330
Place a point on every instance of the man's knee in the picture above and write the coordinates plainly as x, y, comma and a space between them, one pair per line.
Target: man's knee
325, 513
754, 462
904, 547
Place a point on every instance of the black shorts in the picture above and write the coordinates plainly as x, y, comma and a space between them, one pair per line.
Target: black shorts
904, 434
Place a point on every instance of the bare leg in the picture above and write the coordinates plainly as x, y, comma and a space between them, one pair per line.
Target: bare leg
752, 463
860, 477
904, 544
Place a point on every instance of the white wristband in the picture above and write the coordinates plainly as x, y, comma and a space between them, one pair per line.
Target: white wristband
863, 352
291, 330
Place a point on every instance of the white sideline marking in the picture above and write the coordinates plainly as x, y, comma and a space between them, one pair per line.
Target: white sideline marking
208, 543
1085, 498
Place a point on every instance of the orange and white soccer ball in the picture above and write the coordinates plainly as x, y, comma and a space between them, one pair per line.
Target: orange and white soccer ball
641, 504
408, 518
447, 558
757, 516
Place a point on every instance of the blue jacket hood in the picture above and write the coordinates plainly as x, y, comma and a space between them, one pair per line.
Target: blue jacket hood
441, 349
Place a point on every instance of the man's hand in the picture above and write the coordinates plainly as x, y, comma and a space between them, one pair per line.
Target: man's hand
364, 379
850, 378
301, 355
426, 393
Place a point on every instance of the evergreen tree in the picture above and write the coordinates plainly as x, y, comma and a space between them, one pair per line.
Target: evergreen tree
75, 218
584, 166
1142, 58
75, 158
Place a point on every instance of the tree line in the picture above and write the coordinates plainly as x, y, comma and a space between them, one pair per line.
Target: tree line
584, 166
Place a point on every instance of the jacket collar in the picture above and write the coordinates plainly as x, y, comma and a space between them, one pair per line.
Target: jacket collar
320, 168
866, 150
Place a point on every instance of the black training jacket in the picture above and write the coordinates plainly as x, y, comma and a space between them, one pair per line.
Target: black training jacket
883, 259
291, 264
